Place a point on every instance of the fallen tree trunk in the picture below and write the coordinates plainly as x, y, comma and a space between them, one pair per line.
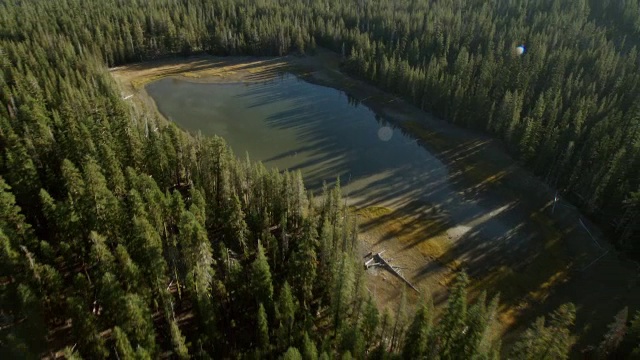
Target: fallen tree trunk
380, 261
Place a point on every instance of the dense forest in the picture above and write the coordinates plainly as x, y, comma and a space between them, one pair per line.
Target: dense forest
568, 108
123, 237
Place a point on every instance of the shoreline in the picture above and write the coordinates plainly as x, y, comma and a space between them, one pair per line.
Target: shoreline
483, 171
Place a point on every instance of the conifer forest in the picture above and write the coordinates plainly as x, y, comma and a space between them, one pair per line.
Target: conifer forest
122, 239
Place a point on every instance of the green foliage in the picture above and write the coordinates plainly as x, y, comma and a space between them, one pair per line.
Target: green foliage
309, 349
304, 263
416, 341
261, 284
452, 329
342, 290
370, 322
85, 330
178, 341
285, 314
352, 341
552, 341
138, 324
262, 329
110, 216
292, 354
123, 347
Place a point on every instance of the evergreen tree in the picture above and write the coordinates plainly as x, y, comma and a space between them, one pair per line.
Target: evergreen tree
342, 291
548, 342
292, 354
236, 228
261, 284
262, 329
309, 350
122, 346
416, 340
633, 335
352, 341
452, 327
85, 330
370, 322
109, 213
137, 323
285, 313
178, 341
615, 335
304, 264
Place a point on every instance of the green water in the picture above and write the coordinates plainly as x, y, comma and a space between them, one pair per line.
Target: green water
292, 124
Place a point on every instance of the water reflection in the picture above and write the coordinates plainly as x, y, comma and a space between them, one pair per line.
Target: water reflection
291, 124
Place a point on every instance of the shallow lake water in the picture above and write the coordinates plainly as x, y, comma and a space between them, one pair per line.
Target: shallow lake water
291, 124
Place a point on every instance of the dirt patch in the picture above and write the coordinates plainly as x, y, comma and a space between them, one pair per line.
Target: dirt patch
498, 222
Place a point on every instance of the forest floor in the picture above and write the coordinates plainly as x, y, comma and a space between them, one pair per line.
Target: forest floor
496, 220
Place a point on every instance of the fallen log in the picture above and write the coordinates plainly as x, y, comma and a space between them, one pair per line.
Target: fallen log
393, 270
368, 262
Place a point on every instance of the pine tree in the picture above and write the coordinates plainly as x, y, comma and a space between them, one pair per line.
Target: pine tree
416, 340
285, 313
304, 264
352, 341
178, 341
370, 322
102, 207
236, 228
292, 354
85, 330
342, 291
399, 321
262, 330
633, 335
548, 342
309, 350
452, 327
123, 347
261, 284
615, 335
137, 323
128, 270
12, 222
100, 254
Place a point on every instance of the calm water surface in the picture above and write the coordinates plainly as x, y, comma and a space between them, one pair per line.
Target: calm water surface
292, 124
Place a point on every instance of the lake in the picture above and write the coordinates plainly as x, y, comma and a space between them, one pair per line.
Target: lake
291, 124
499, 232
